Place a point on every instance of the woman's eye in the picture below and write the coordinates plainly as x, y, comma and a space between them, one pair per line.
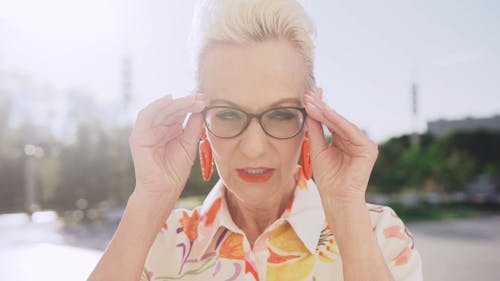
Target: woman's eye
228, 115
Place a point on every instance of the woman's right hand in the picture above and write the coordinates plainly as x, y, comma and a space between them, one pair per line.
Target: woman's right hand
163, 154
162, 151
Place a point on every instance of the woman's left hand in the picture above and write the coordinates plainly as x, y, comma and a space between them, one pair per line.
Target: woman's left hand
342, 168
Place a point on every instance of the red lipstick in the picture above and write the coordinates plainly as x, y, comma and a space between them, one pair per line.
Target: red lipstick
255, 174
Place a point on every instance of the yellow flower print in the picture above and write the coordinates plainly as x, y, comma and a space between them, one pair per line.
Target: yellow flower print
288, 258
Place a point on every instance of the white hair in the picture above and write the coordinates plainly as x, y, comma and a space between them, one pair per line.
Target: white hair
251, 21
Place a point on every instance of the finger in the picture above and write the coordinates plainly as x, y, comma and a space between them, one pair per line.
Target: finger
193, 129
189, 134
316, 113
316, 136
184, 104
157, 136
163, 128
188, 139
148, 112
167, 118
336, 123
319, 110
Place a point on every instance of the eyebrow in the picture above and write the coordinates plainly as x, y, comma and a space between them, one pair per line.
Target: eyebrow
278, 102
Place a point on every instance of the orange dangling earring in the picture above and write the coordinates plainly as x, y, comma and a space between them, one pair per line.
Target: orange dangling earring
206, 158
306, 157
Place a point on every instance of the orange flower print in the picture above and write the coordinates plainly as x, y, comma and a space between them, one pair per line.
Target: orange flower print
393, 232
212, 212
276, 258
402, 257
232, 247
250, 268
164, 227
190, 224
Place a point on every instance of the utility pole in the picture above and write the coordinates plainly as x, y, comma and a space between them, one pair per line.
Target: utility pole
127, 86
415, 137
32, 153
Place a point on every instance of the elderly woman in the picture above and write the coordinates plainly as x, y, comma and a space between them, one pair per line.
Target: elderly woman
259, 113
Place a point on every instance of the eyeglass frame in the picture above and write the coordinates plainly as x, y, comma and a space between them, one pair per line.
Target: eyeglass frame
257, 116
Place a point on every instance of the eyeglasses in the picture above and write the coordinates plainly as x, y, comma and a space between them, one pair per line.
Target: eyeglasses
279, 122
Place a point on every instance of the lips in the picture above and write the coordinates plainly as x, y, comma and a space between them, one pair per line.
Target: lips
255, 174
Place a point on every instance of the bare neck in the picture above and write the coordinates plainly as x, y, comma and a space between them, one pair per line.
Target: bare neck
254, 217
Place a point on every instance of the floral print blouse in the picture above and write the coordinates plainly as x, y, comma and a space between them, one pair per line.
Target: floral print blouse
205, 243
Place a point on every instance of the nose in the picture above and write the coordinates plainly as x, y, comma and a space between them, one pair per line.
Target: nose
254, 140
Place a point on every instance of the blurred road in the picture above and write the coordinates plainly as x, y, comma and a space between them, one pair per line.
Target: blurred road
459, 250
42, 249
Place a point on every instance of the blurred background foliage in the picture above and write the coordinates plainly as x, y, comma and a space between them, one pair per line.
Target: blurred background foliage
446, 164
95, 168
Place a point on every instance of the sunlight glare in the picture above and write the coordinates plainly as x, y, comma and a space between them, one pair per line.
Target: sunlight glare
60, 21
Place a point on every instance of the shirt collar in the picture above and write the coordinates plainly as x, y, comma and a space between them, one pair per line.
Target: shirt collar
304, 213
214, 214
215, 210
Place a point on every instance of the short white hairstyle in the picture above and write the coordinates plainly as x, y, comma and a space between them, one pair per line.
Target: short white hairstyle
252, 21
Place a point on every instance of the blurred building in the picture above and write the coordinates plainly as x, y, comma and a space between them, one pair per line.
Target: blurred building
442, 127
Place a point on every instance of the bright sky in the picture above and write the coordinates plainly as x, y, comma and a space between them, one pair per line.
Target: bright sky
367, 53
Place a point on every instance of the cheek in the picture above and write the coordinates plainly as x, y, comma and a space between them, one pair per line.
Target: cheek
223, 152
289, 154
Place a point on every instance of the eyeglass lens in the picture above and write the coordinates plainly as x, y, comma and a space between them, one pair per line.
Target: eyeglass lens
281, 122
